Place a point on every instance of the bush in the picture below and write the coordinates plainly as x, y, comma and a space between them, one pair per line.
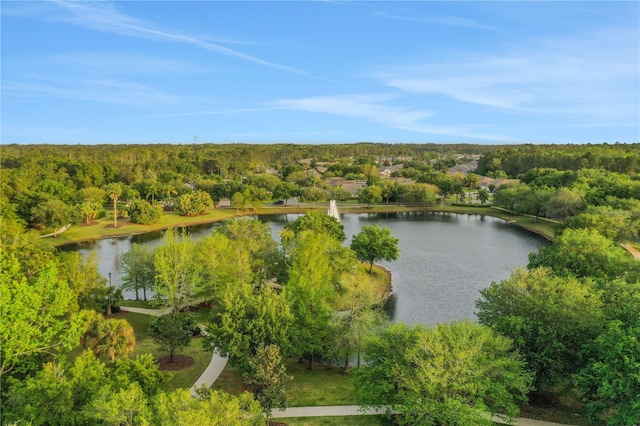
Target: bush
140, 211
195, 203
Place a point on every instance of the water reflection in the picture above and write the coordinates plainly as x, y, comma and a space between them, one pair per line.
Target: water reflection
445, 259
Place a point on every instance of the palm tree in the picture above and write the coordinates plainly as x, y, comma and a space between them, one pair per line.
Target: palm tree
471, 181
114, 191
111, 336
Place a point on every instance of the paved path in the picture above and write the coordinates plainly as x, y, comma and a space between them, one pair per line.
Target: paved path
215, 367
217, 364
635, 253
354, 410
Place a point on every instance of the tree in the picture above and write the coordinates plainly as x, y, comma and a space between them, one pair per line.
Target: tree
128, 406
194, 203
178, 277
171, 332
458, 373
373, 244
471, 181
535, 202
390, 190
238, 201
511, 195
357, 321
213, 408
586, 253
419, 193
320, 223
83, 276
339, 193
114, 191
483, 195
565, 202
248, 319
313, 195
549, 318
113, 337
38, 316
611, 380
138, 269
267, 378
53, 213
140, 211
89, 211
286, 190
313, 280
370, 195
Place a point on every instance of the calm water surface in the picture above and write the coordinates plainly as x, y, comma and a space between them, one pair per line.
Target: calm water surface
445, 259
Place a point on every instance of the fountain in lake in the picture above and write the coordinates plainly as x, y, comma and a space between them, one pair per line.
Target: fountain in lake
333, 209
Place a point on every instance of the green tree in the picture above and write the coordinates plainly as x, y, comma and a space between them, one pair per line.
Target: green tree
213, 409
313, 195
549, 318
286, 190
471, 181
178, 277
373, 244
248, 319
128, 406
483, 195
586, 253
267, 378
194, 203
84, 278
320, 223
452, 374
114, 191
238, 201
311, 290
611, 380
419, 193
88, 210
338, 193
390, 190
370, 195
52, 213
171, 332
138, 269
113, 337
536, 202
38, 316
142, 212
565, 202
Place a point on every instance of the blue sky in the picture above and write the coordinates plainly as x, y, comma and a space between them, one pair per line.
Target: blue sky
320, 72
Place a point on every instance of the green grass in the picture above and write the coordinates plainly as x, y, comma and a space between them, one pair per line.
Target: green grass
100, 230
322, 386
336, 421
144, 344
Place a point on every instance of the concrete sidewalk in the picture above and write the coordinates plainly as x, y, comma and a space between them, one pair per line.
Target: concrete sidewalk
354, 410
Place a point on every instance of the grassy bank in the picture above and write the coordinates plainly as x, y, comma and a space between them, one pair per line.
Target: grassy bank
103, 228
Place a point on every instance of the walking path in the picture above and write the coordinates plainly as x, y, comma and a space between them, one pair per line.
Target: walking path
217, 364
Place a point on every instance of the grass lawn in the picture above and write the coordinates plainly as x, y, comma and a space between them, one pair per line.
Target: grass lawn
144, 344
322, 386
139, 304
336, 421
378, 283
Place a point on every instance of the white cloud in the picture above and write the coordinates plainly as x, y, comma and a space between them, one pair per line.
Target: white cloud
596, 76
105, 16
375, 108
452, 21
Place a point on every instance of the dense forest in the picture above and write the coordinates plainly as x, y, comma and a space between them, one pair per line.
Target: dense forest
571, 318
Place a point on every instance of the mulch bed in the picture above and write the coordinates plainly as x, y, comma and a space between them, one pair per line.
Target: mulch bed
180, 362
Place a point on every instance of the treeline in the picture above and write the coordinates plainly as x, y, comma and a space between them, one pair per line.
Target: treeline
515, 160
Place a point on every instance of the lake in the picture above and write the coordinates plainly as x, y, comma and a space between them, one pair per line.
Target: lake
445, 258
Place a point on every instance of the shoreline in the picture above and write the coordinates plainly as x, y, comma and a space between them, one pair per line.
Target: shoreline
226, 213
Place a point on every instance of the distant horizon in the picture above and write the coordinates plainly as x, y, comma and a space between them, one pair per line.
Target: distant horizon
320, 73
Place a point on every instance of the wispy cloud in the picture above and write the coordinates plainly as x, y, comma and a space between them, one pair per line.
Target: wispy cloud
105, 16
118, 63
590, 77
103, 91
452, 21
376, 108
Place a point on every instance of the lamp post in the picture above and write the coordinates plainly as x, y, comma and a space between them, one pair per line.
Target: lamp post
109, 296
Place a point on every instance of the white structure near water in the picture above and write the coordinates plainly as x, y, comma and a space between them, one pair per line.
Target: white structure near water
333, 209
